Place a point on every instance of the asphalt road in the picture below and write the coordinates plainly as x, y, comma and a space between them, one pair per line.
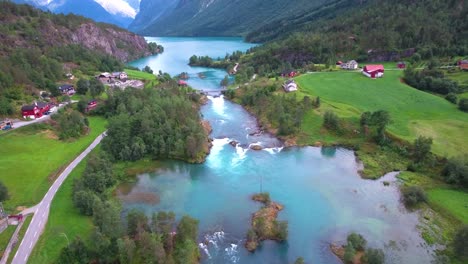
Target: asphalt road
41, 213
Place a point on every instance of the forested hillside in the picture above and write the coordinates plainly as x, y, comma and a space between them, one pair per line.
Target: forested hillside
38, 48
376, 31
215, 17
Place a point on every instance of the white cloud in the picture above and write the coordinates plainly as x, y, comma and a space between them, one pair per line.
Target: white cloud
118, 7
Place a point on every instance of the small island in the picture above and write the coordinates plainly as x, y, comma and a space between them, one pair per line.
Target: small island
264, 223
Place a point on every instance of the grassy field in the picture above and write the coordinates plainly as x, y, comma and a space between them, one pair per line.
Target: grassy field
413, 112
140, 75
5, 238
64, 222
453, 201
30, 159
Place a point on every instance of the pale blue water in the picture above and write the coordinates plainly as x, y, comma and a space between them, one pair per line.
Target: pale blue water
324, 196
177, 52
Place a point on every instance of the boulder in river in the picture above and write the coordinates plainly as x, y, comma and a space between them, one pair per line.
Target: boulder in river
256, 147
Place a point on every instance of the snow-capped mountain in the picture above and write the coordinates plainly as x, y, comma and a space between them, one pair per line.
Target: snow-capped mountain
118, 12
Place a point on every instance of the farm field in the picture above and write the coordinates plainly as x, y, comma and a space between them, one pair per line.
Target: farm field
30, 158
413, 112
65, 222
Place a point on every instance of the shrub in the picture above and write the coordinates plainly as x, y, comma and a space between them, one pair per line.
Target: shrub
413, 195
374, 256
71, 124
3, 192
456, 171
331, 120
460, 243
357, 240
451, 97
422, 148
463, 105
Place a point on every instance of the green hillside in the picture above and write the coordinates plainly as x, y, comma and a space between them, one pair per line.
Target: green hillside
413, 112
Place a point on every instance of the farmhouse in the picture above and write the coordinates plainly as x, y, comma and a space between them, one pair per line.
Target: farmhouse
350, 65
463, 65
67, 89
35, 110
290, 86
120, 75
373, 71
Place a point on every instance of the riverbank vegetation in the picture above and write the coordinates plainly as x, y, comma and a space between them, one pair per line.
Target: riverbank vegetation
264, 223
161, 123
356, 251
133, 239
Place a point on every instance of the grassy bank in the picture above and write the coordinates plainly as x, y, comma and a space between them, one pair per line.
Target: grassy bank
413, 112
5, 237
32, 156
22, 232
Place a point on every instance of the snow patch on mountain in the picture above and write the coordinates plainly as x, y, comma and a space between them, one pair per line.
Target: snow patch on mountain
118, 7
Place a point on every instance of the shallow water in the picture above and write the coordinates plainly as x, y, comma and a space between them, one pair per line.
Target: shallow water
323, 195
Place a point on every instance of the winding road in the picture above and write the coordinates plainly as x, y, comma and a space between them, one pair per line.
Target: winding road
41, 211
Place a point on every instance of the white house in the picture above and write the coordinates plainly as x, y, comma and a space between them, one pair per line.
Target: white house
350, 65
290, 86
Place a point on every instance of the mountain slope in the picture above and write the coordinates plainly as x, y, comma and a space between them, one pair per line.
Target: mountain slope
38, 48
94, 9
216, 17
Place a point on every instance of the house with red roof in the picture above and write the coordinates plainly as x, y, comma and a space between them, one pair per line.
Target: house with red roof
373, 71
463, 65
35, 110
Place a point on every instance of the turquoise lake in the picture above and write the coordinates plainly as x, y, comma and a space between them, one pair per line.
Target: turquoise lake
324, 197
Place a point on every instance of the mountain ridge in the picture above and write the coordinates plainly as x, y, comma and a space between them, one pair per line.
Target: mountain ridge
93, 9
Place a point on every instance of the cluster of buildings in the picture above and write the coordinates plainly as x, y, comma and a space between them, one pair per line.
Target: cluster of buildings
106, 77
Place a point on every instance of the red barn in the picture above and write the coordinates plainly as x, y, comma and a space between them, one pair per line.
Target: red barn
35, 110
401, 65
373, 71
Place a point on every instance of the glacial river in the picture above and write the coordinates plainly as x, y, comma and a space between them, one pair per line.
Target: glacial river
323, 195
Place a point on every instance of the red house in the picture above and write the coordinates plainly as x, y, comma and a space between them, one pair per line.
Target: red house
289, 73
182, 83
463, 64
35, 110
373, 71
401, 65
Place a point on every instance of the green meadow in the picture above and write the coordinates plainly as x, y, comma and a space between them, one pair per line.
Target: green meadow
413, 112
31, 158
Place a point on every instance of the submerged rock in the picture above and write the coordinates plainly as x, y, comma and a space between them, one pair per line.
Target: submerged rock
256, 147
